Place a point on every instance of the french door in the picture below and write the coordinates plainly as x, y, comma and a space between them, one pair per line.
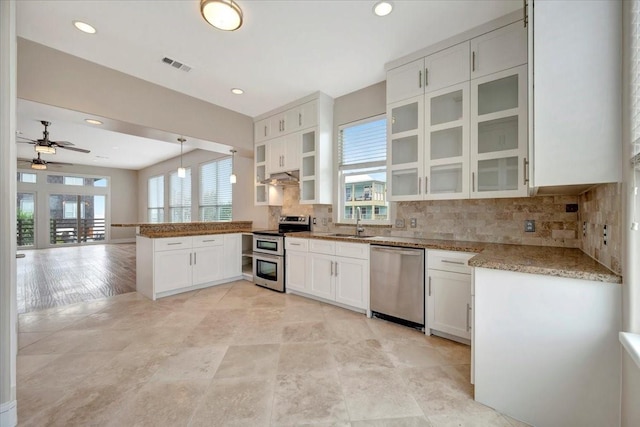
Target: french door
26, 219
76, 219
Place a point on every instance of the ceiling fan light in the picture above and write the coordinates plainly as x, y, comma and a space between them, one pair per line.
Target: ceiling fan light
45, 149
225, 15
38, 166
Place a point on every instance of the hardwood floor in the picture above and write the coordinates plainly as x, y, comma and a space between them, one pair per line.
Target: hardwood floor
55, 277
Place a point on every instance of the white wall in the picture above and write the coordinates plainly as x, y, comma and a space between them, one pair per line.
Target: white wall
243, 208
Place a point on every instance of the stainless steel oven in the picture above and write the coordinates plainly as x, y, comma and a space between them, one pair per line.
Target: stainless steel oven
268, 251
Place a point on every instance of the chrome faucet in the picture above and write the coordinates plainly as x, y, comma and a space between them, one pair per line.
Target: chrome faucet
358, 218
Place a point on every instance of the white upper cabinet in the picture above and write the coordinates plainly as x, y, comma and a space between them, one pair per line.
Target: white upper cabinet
283, 154
499, 50
499, 134
442, 69
457, 120
576, 104
262, 130
447, 67
405, 81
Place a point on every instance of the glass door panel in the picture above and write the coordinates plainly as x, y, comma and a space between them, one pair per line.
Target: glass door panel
404, 150
498, 174
25, 216
498, 95
446, 143
498, 135
76, 219
446, 108
404, 182
446, 179
404, 118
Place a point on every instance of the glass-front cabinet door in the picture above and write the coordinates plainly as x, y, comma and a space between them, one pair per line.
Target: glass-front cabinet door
446, 154
499, 134
308, 167
405, 146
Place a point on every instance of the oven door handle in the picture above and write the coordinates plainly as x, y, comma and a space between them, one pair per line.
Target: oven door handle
258, 255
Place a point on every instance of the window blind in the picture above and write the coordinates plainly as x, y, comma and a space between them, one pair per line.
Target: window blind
363, 142
156, 192
180, 196
216, 191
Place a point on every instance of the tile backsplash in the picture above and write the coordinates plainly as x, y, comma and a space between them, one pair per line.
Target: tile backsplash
600, 206
496, 220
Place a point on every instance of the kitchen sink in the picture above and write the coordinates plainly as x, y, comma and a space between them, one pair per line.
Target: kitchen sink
349, 236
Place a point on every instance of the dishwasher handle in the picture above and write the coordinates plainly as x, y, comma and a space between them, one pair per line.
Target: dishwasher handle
400, 251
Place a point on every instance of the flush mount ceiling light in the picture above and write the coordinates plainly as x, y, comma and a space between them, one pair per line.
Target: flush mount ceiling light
84, 27
225, 15
233, 178
182, 172
382, 8
237, 91
93, 121
38, 166
45, 149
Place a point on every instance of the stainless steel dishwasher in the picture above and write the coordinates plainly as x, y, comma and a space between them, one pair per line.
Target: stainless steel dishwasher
397, 283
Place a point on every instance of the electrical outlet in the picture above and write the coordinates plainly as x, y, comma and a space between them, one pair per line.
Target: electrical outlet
604, 235
314, 221
584, 229
571, 207
529, 225
413, 222
399, 223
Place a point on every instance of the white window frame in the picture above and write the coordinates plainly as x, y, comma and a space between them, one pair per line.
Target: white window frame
161, 207
200, 189
182, 205
358, 169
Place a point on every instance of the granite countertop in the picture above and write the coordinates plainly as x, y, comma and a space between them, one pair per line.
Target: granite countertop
161, 234
551, 261
196, 228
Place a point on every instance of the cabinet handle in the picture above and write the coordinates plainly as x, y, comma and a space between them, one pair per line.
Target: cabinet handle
473, 182
420, 78
468, 317
332, 268
209, 240
429, 285
426, 185
419, 185
525, 170
283, 125
190, 259
265, 130
452, 262
295, 244
336, 268
174, 243
473, 61
299, 119
426, 77
525, 18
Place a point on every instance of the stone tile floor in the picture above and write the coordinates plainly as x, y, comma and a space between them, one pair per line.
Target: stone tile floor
237, 355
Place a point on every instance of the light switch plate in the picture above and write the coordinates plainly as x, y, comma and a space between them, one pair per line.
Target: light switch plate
413, 222
529, 225
399, 223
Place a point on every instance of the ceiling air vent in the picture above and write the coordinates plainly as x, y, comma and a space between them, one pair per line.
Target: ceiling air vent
176, 64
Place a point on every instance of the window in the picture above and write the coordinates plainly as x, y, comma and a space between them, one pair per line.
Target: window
362, 168
27, 177
155, 199
215, 191
76, 181
180, 197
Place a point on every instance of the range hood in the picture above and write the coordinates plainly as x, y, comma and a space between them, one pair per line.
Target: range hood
283, 178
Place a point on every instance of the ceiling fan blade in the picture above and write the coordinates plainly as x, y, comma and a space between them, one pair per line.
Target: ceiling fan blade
24, 160
59, 163
80, 150
27, 140
61, 143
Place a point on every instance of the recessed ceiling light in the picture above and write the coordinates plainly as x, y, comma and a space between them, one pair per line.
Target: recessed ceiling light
237, 91
84, 27
383, 8
93, 121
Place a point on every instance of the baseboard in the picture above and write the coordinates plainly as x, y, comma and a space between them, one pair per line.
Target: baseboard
8, 414
126, 240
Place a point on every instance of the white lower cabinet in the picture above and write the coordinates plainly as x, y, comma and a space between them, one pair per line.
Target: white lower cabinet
449, 294
167, 266
333, 271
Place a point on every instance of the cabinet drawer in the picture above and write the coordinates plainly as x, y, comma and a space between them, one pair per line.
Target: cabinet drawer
296, 244
322, 246
352, 250
449, 261
171, 243
209, 240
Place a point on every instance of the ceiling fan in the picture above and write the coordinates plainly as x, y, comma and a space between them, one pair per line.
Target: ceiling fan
45, 145
39, 164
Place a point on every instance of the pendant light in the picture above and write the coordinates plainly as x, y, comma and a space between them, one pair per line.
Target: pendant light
233, 178
182, 172
225, 15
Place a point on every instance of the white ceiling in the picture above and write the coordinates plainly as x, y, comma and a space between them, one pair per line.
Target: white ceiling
285, 49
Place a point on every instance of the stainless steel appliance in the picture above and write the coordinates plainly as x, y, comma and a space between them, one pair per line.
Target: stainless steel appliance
397, 284
268, 251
